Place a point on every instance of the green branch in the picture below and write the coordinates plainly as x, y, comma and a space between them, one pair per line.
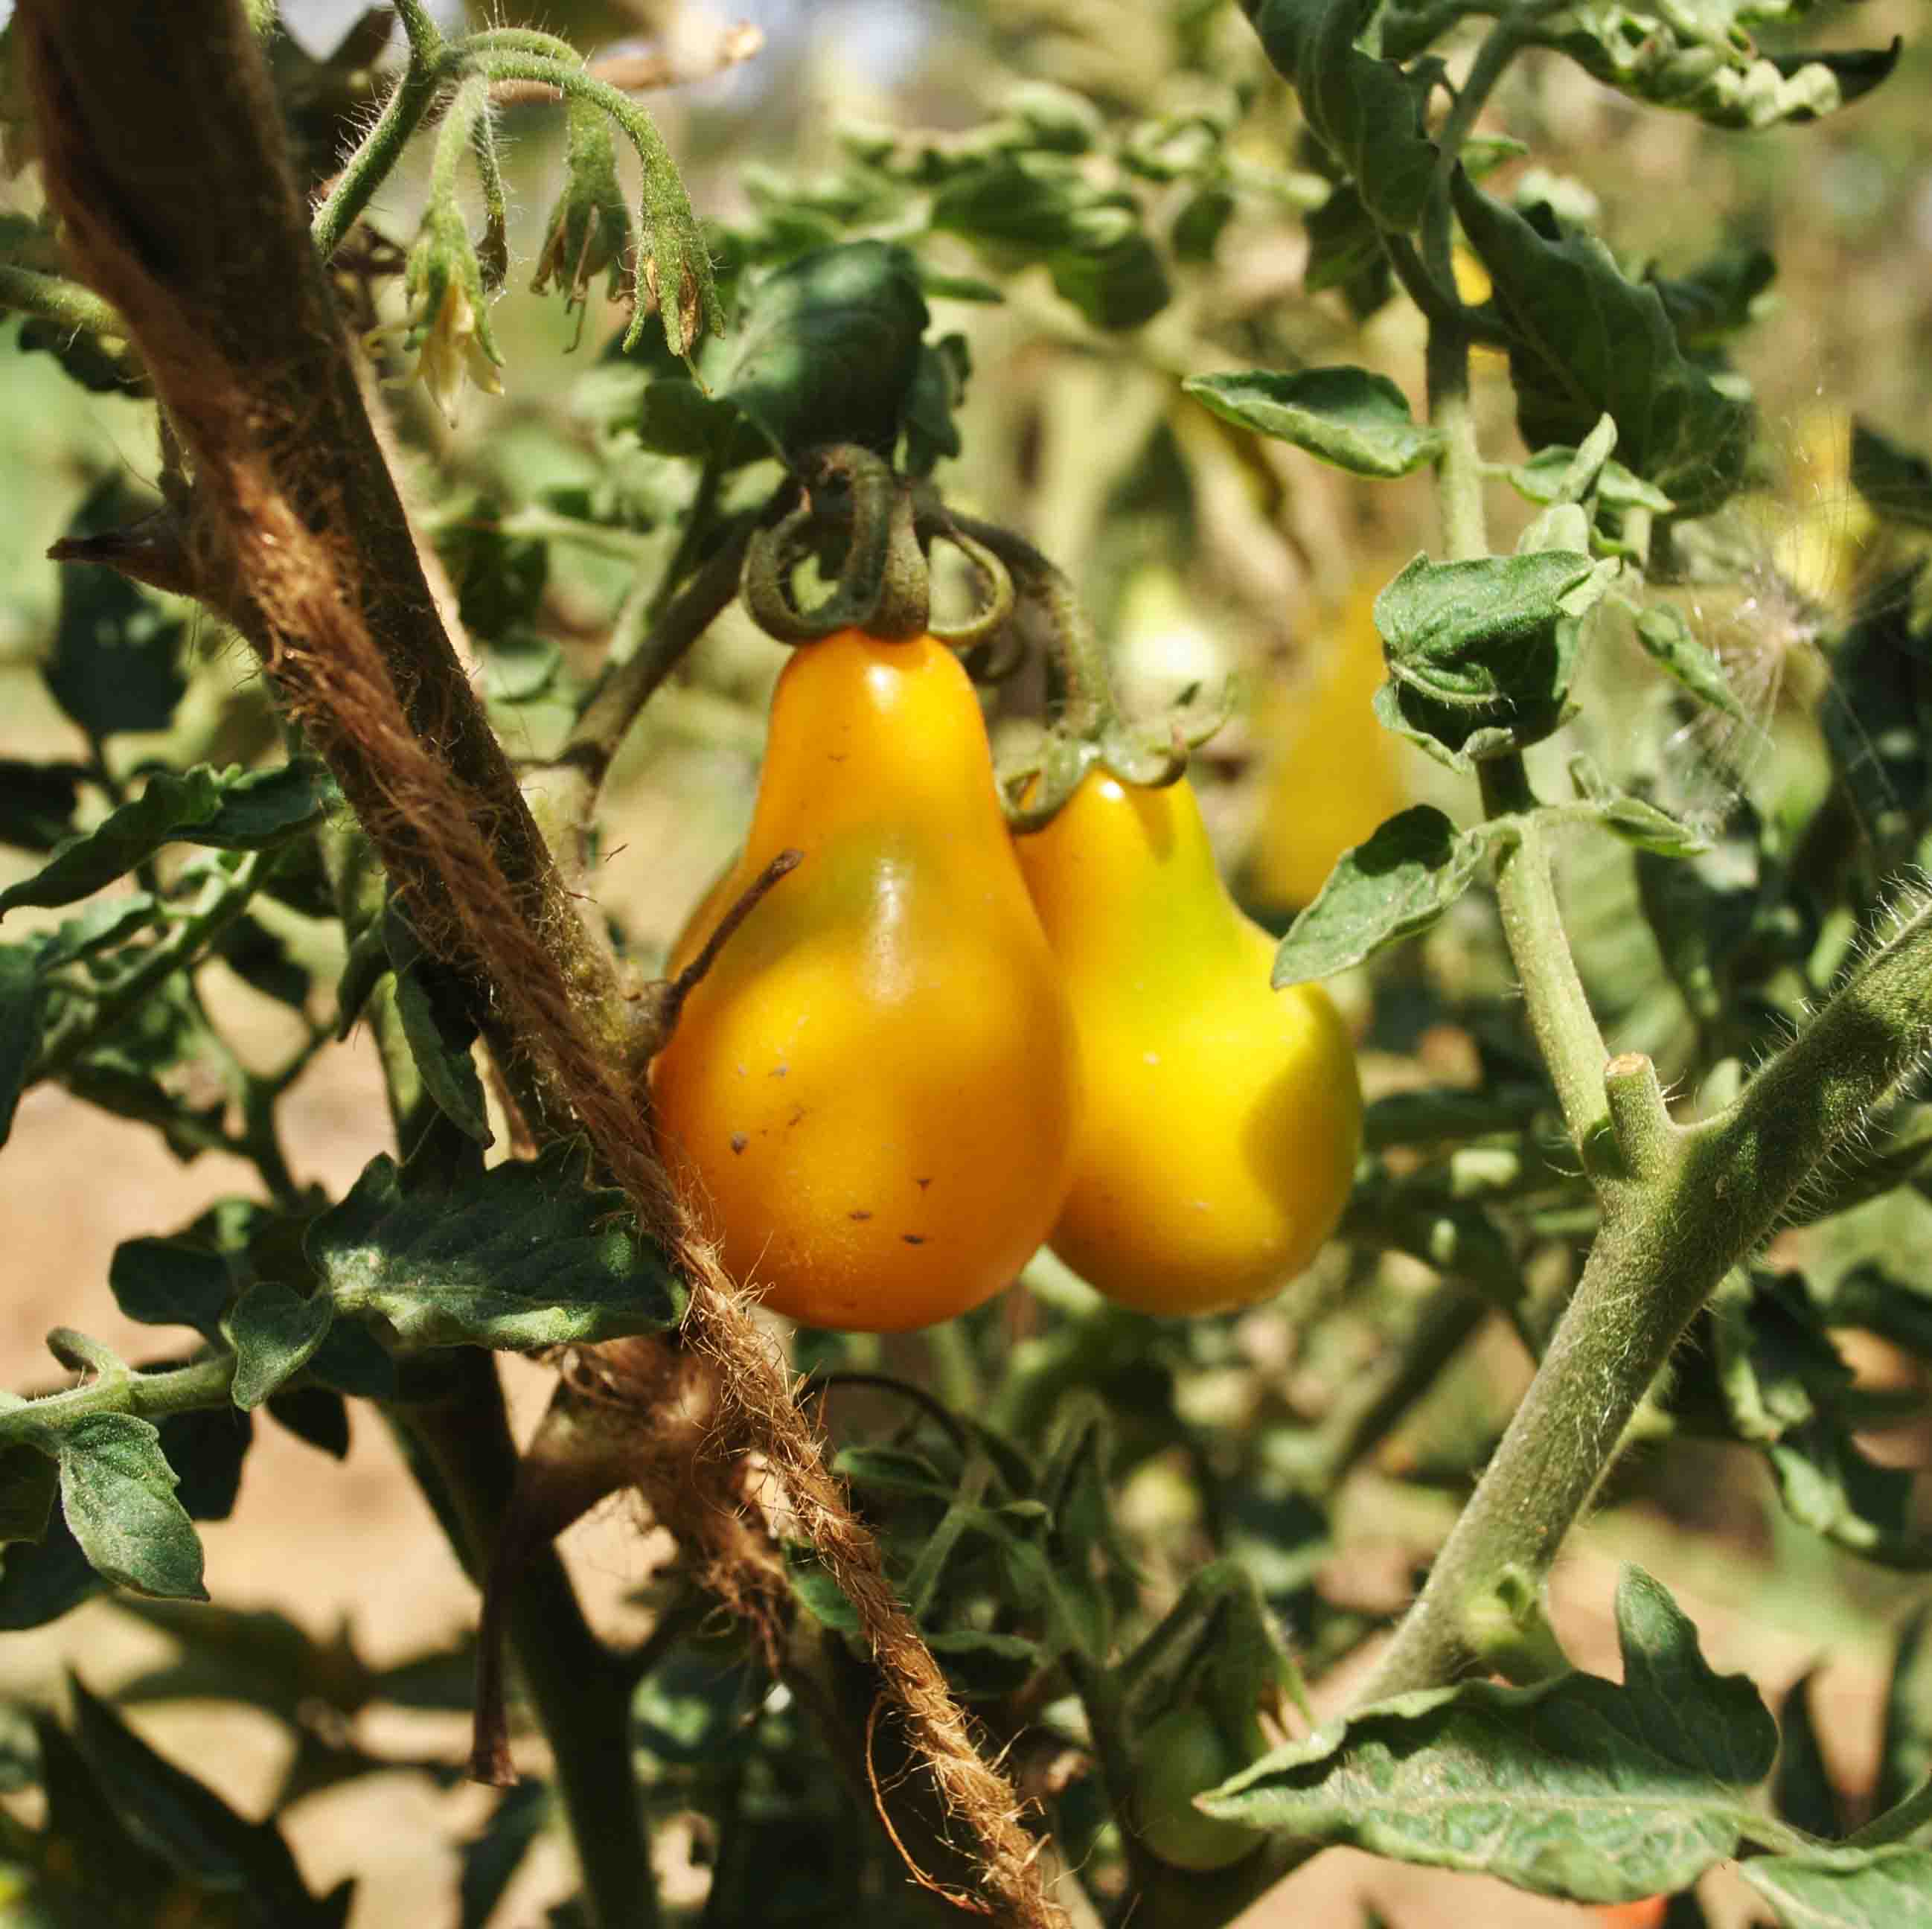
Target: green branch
1692, 1204
116, 1388
464, 1455
55, 298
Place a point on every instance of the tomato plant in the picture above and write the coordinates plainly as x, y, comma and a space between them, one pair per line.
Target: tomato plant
1122, 1401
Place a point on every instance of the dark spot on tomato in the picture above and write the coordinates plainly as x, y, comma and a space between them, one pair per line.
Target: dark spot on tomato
859, 1212
913, 1238
798, 1112
922, 1183
739, 1142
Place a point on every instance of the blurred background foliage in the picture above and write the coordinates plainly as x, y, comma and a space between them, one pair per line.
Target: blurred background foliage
1106, 196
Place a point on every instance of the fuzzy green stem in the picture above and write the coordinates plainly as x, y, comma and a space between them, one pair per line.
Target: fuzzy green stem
375, 159
205, 1383
55, 298
1565, 1027
1668, 1236
1459, 469
578, 1687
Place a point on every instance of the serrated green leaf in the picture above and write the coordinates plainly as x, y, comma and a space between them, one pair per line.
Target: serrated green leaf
318, 1415
1586, 342
440, 1043
982, 1665
1632, 819
99, 926
1896, 482
1393, 886
231, 810
171, 1282
1664, 632
23, 998
1801, 1789
1477, 635
1829, 1484
1363, 111
817, 1592
1905, 1759
117, 1493
1578, 1787
1697, 59
1892, 1891
116, 661
193, 1828
827, 346
1358, 421
28, 1483
37, 802
1541, 478
274, 1331
522, 1256
1040, 208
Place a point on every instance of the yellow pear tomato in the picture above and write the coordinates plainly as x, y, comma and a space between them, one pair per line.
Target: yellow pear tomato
1222, 1118
871, 1097
1337, 773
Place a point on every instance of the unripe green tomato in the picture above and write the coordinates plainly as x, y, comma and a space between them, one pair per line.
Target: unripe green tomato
1182, 1755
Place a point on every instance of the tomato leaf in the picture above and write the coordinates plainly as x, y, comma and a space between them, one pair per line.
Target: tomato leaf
1632, 819
1890, 1890
1896, 482
29, 1481
1358, 420
116, 663
171, 1282
1584, 341
1905, 1762
1393, 886
117, 1493
1363, 111
23, 1000
1698, 60
231, 810
521, 1256
1041, 208
1676, 648
274, 1332
193, 1829
1579, 1787
37, 802
827, 347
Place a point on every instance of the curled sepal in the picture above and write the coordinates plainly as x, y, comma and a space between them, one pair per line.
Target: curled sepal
673, 262
449, 313
986, 640
590, 227
882, 585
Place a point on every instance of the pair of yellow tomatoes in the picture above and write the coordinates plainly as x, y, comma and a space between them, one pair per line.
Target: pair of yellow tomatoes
935, 1044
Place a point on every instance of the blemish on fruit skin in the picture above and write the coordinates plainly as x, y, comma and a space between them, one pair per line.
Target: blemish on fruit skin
739, 1142
858, 1212
922, 1183
913, 1238
778, 1071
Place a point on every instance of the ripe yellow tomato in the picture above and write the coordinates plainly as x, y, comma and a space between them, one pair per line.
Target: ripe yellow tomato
871, 1098
1222, 1118
1182, 1754
1337, 773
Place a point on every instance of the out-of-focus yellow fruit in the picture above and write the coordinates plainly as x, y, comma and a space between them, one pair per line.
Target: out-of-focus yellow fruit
1337, 773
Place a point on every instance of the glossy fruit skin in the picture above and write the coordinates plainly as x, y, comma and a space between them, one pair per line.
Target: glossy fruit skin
1222, 1118
1182, 1754
873, 1096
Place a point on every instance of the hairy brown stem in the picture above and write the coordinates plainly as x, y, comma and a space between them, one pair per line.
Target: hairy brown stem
180, 207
